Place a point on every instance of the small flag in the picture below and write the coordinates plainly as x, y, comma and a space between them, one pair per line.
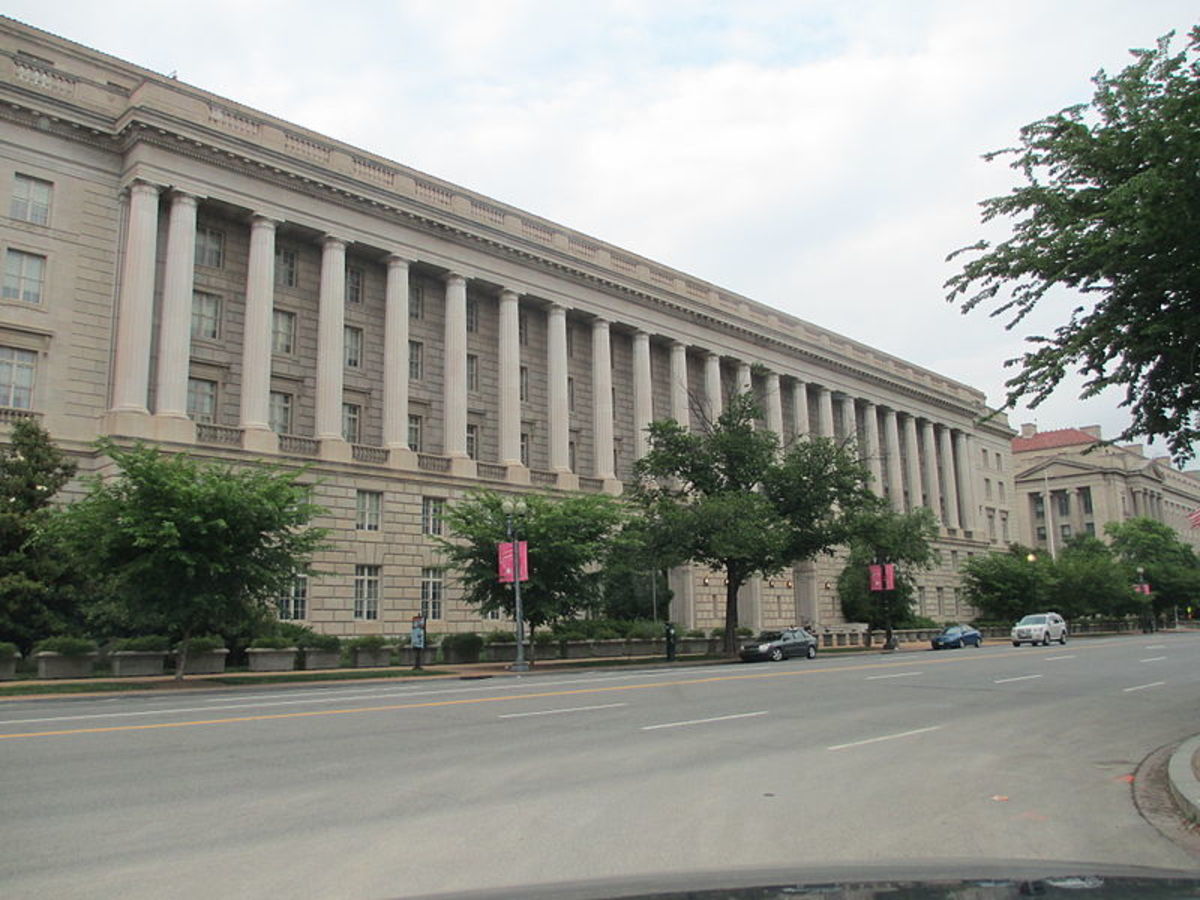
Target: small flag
1194, 518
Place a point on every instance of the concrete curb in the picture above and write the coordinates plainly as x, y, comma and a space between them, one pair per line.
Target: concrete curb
1181, 778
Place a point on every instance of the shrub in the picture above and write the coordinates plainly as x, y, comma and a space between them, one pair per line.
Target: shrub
204, 643
67, 646
694, 633
147, 643
743, 631
278, 642
368, 642
315, 641
500, 637
643, 630
543, 639
919, 622
466, 643
7, 650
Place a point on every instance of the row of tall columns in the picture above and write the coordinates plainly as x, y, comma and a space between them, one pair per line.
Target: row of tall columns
131, 368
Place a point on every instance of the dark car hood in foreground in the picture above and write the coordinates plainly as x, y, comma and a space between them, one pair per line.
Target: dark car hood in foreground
911, 881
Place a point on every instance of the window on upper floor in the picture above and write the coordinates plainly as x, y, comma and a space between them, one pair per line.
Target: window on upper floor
206, 315
283, 331
523, 383
472, 373
472, 441
351, 422
202, 400
472, 315
287, 273
570, 393
416, 360
432, 510
368, 510
354, 284
366, 591
570, 340
352, 347
24, 276
416, 433
18, 371
31, 200
294, 604
280, 412
1085, 500
432, 584
525, 449
416, 301
523, 328
1063, 503
210, 247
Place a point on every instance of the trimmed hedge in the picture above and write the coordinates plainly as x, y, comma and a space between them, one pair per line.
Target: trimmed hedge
66, 646
147, 643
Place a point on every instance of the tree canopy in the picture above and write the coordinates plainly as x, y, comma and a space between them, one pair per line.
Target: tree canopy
729, 498
1169, 565
567, 538
186, 547
1109, 208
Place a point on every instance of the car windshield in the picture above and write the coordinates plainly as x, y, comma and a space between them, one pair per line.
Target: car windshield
953, 629
770, 635
1033, 620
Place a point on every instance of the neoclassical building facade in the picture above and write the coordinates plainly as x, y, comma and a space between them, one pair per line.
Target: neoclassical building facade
183, 269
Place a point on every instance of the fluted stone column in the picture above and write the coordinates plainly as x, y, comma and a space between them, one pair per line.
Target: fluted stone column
680, 410
454, 383
331, 350
745, 381
800, 408
643, 410
774, 406
131, 367
891, 436
602, 406
712, 387
395, 365
849, 423
915, 498
949, 479
825, 411
174, 331
255, 411
932, 476
559, 412
510, 386
874, 451
965, 465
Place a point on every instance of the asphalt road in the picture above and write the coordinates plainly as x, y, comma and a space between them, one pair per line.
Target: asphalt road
385, 789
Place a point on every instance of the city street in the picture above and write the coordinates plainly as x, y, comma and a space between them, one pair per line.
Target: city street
386, 789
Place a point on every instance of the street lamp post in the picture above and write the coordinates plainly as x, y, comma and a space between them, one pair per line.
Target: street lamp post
514, 509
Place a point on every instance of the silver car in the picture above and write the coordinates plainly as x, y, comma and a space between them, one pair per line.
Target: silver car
1040, 628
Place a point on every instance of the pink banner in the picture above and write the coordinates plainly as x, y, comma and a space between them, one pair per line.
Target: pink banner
889, 577
876, 577
505, 561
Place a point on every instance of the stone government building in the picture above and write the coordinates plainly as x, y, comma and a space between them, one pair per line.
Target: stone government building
184, 269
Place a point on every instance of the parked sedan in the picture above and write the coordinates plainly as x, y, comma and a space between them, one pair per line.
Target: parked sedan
957, 636
775, 645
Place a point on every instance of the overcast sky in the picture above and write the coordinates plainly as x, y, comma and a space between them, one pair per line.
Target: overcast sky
820, 156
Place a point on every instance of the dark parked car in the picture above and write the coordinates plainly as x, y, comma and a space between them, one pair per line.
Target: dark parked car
957, 636
775, 645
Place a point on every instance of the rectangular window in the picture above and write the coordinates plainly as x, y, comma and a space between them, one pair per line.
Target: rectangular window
206, 315
281, 412
570, 393
210, 247
1090, 528
1039, 506
366, 592
431, 593
283, 331
352, 422
432, 510
416, 360
202, 400
571, 456
354, 284
999, 462
1065, 531
352, 347
1004, 527
1000, 491
17, 370
416, 435
985, 456
523, 329
286, 268
24, 276
1063, 501
1040, 531
472, 373
570, 341
416, 301
472, 441
294, 604
1085, 500
368, 509
525, 449
31, 200
953, 560
523, 382
472, 315
991, 524
987, 488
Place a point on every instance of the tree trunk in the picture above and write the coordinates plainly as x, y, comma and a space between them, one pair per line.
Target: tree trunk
731, 612
181, 658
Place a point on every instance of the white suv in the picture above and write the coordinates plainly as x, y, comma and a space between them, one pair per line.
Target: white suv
1040, 628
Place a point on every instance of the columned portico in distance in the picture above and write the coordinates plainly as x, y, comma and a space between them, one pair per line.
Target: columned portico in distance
949, 481
932, 474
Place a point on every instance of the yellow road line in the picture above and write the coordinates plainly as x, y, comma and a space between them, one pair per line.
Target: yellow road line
467, 701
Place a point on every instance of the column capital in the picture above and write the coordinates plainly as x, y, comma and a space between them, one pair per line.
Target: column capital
395, 261
333, 241
509, 294
141, 186
260, 221
183, 198
675, 343
454, 278
712, 354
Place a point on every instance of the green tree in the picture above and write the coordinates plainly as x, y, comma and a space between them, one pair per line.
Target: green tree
1087, 580
882, 535
1005, 586
187, 547
37, 596
728, 499
1108, 209
1169, 565
567, 538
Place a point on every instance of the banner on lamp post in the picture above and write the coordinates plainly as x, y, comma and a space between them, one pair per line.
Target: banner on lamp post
882, 577
505, 561
876, 573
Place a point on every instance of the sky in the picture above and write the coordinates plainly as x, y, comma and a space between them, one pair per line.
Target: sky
819, 156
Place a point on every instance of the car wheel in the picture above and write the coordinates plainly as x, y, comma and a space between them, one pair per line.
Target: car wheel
1016, 643
1063, 639
811, 652
960, 644
776, 654
978, 642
